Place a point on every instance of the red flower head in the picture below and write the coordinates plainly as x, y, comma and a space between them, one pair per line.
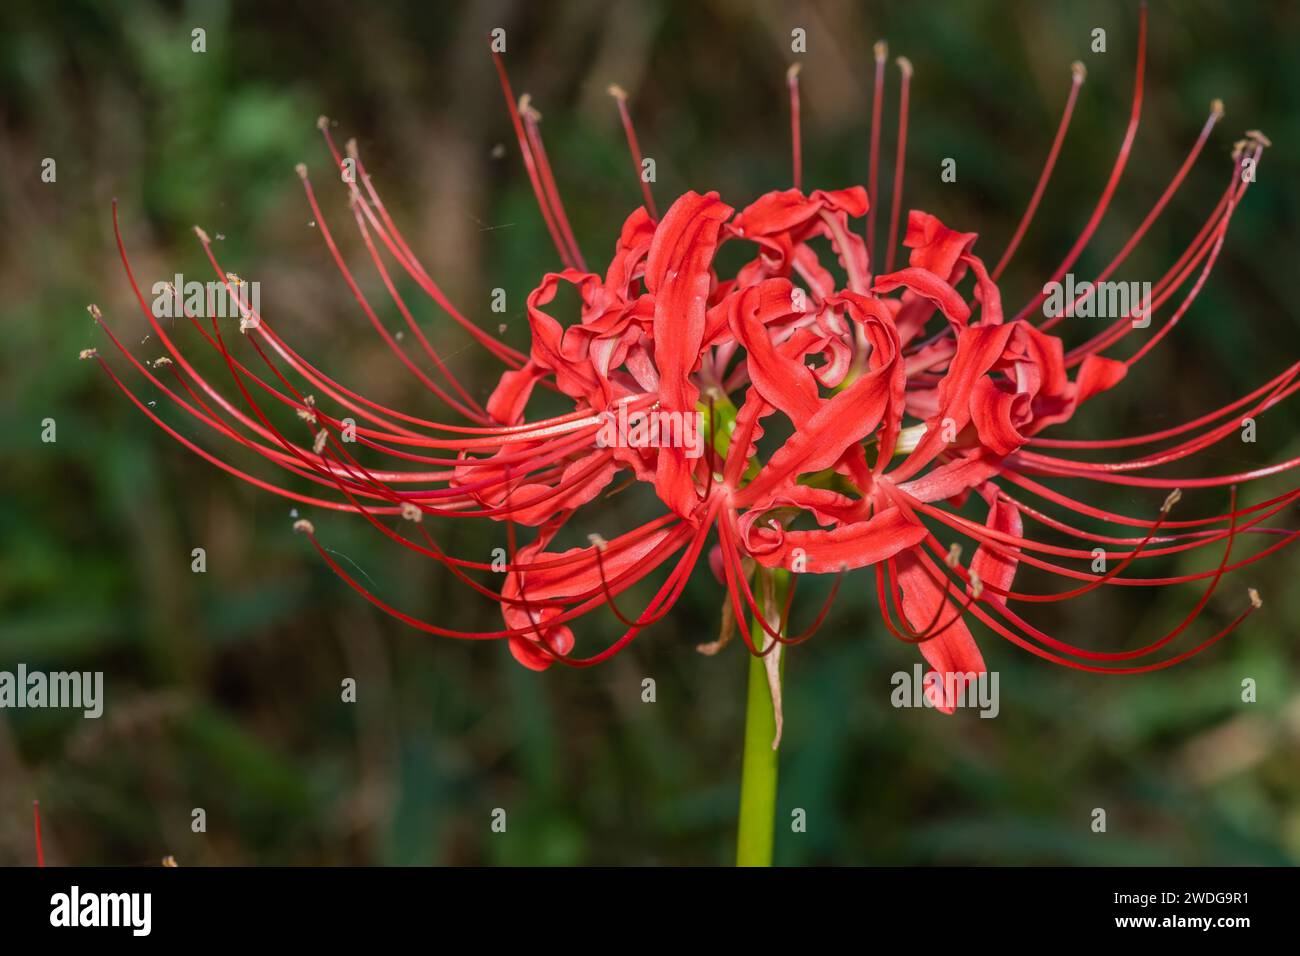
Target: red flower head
808, 414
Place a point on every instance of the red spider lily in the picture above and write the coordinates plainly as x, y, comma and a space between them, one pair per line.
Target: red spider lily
901, 394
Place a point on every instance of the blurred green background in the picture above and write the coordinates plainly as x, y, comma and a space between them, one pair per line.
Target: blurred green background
223, 687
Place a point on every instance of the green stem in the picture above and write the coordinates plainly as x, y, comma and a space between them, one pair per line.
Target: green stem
758, 773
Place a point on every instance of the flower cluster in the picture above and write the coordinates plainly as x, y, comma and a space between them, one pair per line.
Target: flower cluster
848, 413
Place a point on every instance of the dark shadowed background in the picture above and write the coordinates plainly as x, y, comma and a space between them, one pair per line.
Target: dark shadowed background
223, 688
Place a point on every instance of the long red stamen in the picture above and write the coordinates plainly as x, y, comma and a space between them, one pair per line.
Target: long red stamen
1149, 437
1216, 113
634, 147
1082, 535
1154, 646
1168, 285
1078, 73
1192, 293
530, 164
476, 413
877, 107
400, 250
1092, 585
667, 595
1163, 457
1026, 545
475, 410
905, 74
934, 628
796, 143
738, 587
817, 622
1027, 645
336, 391
533, 126
1117, 171
40, 848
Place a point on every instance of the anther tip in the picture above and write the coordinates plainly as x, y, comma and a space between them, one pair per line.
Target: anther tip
597, 542
792, 72
526, 107
881, 50
412, 512
88, 354
322, 122
203, 236
95, 313
616, 91
350, 147
1079, 71
954, 555
301, 170
904, 65
1256, 601
1174, 497
303, 526
976, 586
1257, 136
1216, 107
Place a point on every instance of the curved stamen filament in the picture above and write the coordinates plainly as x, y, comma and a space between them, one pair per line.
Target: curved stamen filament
905, 74
1078, 73
881, 51
36, 819
1117, 171
530, 165
532, 124
634, 147
1216, 113
796, 144
383, 225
